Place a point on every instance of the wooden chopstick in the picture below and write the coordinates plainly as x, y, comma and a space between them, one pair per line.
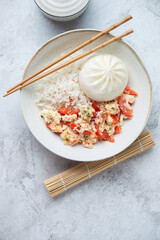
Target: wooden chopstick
71, 61
74, 50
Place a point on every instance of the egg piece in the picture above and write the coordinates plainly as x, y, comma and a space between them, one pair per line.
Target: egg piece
103, 77
51, 116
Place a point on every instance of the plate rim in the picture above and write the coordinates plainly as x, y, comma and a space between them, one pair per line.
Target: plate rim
86, 30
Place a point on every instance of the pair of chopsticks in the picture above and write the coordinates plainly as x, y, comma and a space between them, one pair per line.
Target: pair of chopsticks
33, 78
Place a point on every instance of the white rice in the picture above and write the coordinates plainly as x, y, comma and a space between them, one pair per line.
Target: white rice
55, 90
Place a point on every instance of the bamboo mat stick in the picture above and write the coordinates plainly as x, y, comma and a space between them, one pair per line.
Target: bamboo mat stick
82, 55
83, 171
129, 17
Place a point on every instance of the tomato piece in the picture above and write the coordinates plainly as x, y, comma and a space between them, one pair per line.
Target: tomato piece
64, 110
117, 129
115, 121
130, 91
72, 125
66, 123
74, 111
95, 115
96, 127
111, 138
48, 125
118, 116
126, 111
103, 136
87, 132
107, 137
95, 106
98, 133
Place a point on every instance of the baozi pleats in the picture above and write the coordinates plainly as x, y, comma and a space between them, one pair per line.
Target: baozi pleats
103, 77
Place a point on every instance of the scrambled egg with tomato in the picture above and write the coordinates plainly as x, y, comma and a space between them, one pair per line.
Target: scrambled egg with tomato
89, 124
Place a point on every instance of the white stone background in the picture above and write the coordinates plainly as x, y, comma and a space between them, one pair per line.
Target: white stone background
122, 203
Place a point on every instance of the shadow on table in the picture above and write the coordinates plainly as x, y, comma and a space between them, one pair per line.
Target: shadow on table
79, 22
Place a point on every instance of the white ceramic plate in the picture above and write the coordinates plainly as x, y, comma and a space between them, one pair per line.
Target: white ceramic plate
138, 80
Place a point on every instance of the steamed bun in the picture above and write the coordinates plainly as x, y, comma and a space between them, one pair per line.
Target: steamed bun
103, 77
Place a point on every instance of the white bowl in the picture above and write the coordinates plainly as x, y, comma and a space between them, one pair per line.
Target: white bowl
58, 11
139, 80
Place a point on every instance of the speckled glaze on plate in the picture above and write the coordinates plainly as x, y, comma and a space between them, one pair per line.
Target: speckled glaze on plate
138, 79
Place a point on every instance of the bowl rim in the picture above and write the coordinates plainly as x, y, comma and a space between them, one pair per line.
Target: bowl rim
62, 17
82, 30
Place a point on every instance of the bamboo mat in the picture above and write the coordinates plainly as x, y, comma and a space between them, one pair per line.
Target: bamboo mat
82, 171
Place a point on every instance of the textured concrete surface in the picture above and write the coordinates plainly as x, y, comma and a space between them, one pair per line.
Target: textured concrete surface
119, 204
